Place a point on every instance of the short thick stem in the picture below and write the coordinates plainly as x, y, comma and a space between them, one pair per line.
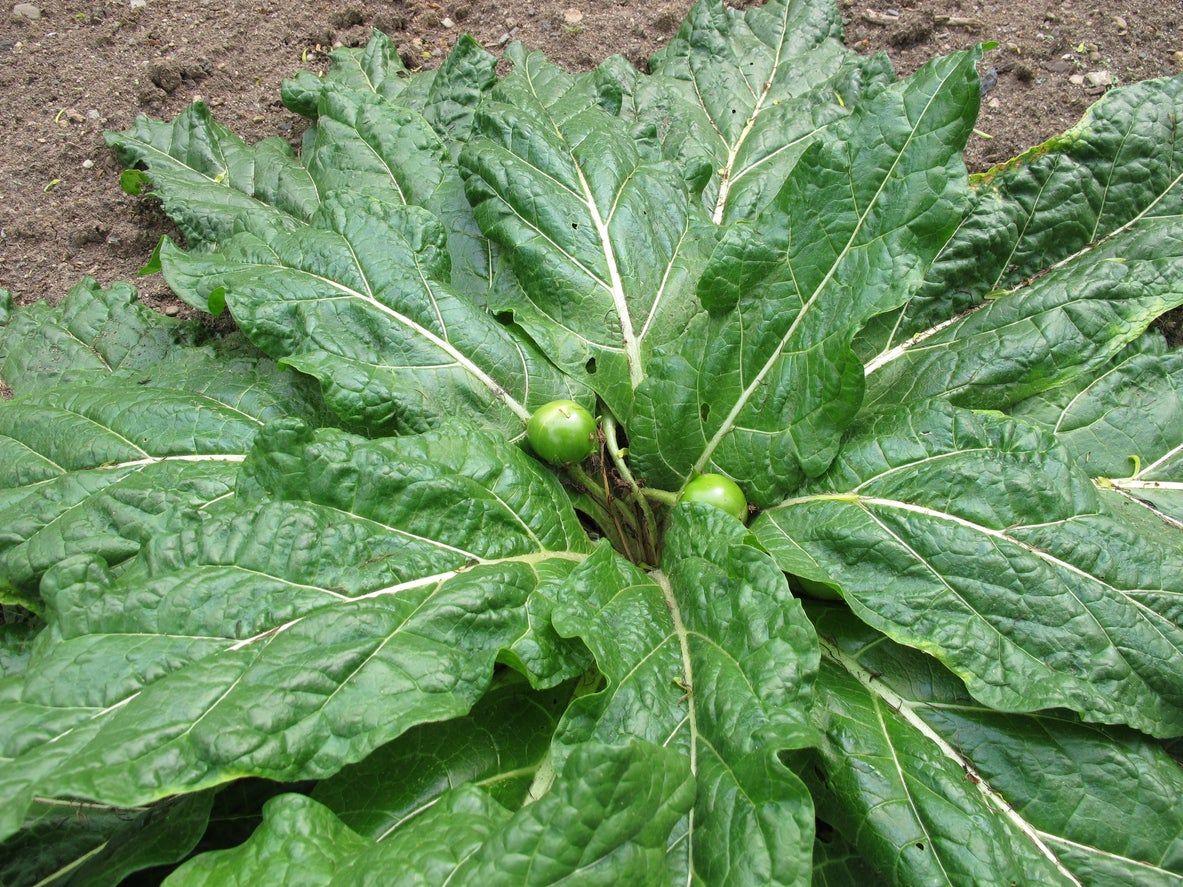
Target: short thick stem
649, 523
665, 497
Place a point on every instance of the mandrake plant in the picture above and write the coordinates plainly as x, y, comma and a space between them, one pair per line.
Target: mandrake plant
304, 598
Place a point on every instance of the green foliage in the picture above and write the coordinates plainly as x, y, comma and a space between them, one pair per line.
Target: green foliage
310, 577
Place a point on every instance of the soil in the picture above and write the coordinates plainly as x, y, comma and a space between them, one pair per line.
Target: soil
82, 67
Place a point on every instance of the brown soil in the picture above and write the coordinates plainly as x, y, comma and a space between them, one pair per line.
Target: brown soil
83, 67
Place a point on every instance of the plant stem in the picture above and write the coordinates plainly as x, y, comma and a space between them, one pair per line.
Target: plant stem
607, 524
588, 483
665, 497
650, 524
599, 493
602, 496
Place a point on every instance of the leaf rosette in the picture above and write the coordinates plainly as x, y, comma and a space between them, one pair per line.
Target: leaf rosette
298, 603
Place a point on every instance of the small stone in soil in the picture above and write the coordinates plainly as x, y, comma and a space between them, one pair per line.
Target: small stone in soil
27, 11
989, 79
1098, 79
447, 23
87, 163
572, 16
172, 310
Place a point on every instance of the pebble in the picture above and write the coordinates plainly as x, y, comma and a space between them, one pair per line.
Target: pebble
138, 4
503, 39
994, 104
989, 79
572, 16
447, 23
1179, 59
1122, 27
27, 11
1098, 79
87, 164
1076, 80
172, 310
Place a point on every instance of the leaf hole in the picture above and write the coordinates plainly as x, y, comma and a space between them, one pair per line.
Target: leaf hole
590, 366
505, 318
704, 411
919, 845
575, 226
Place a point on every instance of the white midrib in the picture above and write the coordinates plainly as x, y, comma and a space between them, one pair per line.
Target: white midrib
187, 457
742, 401
1132, 483
1161, 460
906, 709
891, 354
682, 635
447, 347
1151, 618
632, 345
725, 177
1105, 483
411, 584
56, 876
438, 578
885, 357
1097, 851
504, 775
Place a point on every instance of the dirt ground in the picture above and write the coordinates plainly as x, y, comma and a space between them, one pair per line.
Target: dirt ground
69, 70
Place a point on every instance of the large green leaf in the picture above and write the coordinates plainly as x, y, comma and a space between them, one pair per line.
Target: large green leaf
736, 97
499, 746
88, 845
112, 428
371, 588
1123, 163
16, 641
761, 388
975, 539
606, 243
92, 333
366, 138
712, 658
359, 299
447, 97
375, 67
210, 181
939, 789
605, 820
1124, 425
837, 863
1022, 342
300, 843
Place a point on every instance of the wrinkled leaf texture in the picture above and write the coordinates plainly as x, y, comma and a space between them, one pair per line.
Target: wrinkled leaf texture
765, 259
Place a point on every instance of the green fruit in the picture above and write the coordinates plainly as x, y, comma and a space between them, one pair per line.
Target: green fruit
717, 490
562, 432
